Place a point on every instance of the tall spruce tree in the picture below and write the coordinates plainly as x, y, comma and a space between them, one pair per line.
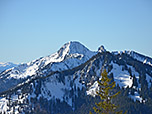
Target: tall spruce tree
105, 106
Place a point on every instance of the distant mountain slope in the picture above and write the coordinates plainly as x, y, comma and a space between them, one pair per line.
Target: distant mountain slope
137, 56
140, 57
5, 66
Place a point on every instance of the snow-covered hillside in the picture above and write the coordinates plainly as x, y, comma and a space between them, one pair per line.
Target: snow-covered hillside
140, 57
78, 70
70, 55
137, 56
5, 66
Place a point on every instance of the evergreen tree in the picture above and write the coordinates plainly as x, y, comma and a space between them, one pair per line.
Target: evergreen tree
135, 81
144, 86
105, 106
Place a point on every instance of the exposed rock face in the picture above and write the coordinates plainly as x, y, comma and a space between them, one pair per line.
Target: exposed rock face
101, 49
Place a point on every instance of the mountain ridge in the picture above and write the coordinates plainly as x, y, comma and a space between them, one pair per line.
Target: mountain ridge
66, 85
59, 61
139, 57
66, 57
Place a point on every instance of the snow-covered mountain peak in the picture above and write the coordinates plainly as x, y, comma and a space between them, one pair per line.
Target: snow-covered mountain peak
73, 47
71, 50
76, 47
70, 55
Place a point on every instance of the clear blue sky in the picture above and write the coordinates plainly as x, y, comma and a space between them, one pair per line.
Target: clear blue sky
30, 29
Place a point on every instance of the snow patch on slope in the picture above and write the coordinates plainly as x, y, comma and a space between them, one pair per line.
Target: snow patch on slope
3, 105
92, 90
122, 78
52, 88
136, 97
